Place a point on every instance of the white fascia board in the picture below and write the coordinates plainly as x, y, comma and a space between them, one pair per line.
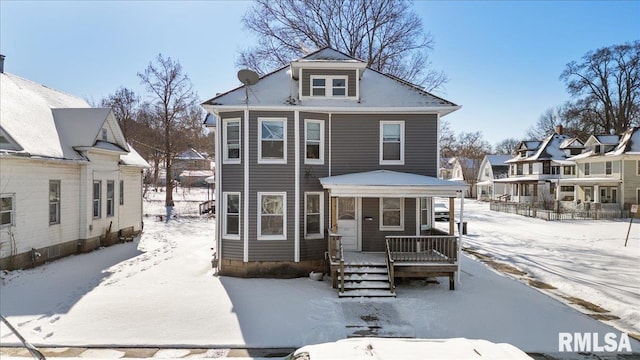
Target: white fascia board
394, 191
442, 111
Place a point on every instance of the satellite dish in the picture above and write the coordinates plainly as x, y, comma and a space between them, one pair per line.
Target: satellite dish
247, 77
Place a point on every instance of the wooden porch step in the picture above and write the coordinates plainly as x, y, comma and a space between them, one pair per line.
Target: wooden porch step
366, 285
351, 269
367, 293
365, 277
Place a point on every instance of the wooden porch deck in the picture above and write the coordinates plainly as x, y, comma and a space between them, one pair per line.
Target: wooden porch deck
405, 257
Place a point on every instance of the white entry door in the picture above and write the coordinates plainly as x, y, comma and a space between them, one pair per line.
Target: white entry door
348, 222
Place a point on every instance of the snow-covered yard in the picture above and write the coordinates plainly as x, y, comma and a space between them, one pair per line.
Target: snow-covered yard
161, 290
583, 259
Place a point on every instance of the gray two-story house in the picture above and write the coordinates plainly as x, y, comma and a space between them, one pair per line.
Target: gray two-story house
323, 145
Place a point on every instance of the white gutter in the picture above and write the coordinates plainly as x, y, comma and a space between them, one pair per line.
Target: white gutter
342, 110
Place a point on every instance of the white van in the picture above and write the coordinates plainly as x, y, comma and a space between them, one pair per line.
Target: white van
408, 349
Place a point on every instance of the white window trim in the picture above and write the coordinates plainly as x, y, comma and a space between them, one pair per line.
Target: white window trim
99, 199
392, 228
638, 195
284, 144
586, 169
225, 144
111, 210
59, 213
321, 234
284, 217
314, 161
428, 203
638, 167
225, 197
610, 167
402, 140
328, 86
13, 209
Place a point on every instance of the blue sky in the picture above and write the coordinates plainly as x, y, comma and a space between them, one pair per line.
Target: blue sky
503, 58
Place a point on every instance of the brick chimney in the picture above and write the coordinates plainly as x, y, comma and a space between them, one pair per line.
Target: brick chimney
559, 129
1, 64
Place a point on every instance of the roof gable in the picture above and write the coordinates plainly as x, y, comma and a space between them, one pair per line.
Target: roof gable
376, 91
83, 128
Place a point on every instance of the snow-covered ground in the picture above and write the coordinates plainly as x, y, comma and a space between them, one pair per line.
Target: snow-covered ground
161, 290
584, 259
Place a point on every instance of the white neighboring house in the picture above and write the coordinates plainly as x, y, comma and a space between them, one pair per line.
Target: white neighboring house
492, 167
465, 170
68, 179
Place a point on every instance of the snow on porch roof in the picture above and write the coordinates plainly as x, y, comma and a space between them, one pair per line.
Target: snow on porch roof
390, 183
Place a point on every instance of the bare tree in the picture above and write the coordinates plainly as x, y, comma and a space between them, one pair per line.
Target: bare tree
553, 117
605, 87
470, 149
124, 103
387, 34
172, 101
507, 146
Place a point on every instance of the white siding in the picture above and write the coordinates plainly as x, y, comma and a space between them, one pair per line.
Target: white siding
29, 181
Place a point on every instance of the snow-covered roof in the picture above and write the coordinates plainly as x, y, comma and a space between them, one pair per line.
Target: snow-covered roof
498, 160
607, 139
378, 92
191, 154
133, 159
47, 123
629, 142
196, 173
626, 144
551, 148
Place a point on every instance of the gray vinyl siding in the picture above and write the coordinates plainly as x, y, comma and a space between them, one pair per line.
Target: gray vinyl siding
356, 138
271, 178
311, 249
232, 180
307, 73
631, 182
372, 237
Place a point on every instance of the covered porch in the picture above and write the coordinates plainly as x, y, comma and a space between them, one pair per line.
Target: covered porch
381, 228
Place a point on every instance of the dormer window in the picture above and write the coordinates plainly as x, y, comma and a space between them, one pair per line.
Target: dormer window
329, 86
598, 149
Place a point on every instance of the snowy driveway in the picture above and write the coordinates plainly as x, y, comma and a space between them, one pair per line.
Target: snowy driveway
160, 290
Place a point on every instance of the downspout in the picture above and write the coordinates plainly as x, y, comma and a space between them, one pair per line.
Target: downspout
296, 236
218, 177
329, 144
246, 184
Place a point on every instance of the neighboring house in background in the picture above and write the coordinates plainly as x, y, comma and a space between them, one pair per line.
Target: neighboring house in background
492, 167
324, 144
538, 166
446, 168
192, 168
465, 170
68, 179
608, 171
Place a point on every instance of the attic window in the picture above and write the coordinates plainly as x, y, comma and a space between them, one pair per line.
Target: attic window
104, 134
329, 86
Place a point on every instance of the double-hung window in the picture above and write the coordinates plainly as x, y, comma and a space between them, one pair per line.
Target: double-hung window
391, 142
97, 198
121, 193
110, 197
391, 213
54, 202
231, 218
314, 141
587, 169
272, 216
607, 167
231, 140
273, 140
313, 215
329, 86
7, 209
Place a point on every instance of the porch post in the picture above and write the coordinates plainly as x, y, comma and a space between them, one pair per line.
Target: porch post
451, 216
334, 214
460, 232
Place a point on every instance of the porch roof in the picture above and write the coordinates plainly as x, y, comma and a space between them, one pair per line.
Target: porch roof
390, 183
